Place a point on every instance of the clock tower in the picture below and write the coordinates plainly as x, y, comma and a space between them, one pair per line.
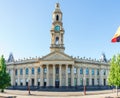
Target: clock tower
57, 31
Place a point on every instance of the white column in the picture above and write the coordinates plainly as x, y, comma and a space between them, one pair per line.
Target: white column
18, 75
60, 76
24, 81
47, 75
84, 76
90, 78
96, 77
35, 76
41, 75
78, 76
66, 75
29, 75
12, 76
53, 75
72, 76
101, 77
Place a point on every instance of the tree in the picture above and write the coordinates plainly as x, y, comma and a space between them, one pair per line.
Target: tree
4, 76
114, 74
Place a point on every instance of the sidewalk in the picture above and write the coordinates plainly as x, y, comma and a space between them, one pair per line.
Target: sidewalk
45, 94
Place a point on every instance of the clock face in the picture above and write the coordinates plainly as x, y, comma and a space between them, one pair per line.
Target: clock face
57, 28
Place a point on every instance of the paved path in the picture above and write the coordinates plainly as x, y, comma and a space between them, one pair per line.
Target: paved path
45, 94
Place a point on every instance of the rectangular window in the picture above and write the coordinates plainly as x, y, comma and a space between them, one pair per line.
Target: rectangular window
75, 70
104, 72
75, 81
21, 71
97, 81
45, 70
39, 70
16, 72
69, 70
57, 70
93, 71
81, 81
92, 82
97, 71
81, 71
87, 81
69, 81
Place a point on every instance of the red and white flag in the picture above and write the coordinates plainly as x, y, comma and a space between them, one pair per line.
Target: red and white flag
116, 37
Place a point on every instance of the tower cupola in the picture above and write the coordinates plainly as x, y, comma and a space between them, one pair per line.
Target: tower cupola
57, 30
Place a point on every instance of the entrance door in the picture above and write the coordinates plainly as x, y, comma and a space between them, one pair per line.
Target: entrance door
57, 84
32, 82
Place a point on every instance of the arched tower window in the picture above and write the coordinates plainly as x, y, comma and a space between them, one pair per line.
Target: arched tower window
57, 41
57, 17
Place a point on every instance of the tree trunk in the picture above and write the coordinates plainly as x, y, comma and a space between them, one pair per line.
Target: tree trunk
116, 90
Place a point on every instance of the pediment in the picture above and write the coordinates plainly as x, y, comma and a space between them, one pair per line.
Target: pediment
57, 56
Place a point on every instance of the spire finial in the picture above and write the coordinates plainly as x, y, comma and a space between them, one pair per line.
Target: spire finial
57, 5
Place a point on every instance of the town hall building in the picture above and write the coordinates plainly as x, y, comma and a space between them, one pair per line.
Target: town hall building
57, 69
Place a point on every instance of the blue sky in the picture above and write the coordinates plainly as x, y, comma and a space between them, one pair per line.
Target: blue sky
89, 26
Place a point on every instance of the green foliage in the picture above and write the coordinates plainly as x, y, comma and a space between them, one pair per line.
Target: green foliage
4, 77
114, 74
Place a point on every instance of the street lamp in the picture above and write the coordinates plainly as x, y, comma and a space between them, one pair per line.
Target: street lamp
29, 86
84, 78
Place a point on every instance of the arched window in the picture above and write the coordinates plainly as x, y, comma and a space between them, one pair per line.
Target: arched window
87, 71
32, 71
26, 71
57, 17
57, 41
81, 70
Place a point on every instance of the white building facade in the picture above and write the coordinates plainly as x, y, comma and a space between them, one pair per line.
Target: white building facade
57, 69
